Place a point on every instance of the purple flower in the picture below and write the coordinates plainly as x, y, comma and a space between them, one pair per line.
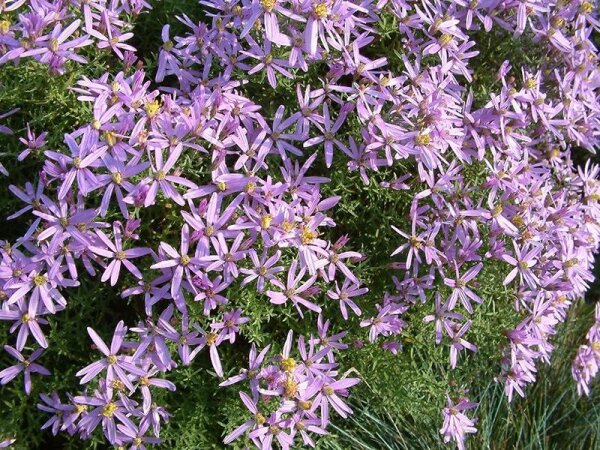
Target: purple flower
25, 365
264, 269
106, 411
116, 366
458, 342
344, 296
118, 255
291, 290
460, 289
456, 423
229, 327
524, 261
183, 264
331, 395
27, 321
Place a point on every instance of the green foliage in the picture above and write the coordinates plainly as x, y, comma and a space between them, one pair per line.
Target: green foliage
552, 416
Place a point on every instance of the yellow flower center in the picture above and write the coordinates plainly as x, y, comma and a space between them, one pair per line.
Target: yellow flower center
160, 175
81, 409
53, 45
288, 364
320, 10
304, 405
211, 338
307, 235
4, 26
290, 388
571, 263
221, 186
530, 83
268, 5
259, 419
445, 39
109, 409
265, 222
168, 46
26, 318
111, 359
586, 7
39, 280
518, 221
117, 177
288, 226
423, 139
110, 138
120, 255
184, 260
415, 242
152, 108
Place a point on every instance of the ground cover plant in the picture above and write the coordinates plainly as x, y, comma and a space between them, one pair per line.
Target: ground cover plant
283, 224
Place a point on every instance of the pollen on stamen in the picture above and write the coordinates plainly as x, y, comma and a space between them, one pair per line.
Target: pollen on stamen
109, 409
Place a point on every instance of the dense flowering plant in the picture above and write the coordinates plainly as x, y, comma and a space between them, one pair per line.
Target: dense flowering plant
240, 177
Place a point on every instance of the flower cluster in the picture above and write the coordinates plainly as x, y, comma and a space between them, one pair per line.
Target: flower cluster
53, 33
291, 394
456, 423
587, 362
249, 212
236, 226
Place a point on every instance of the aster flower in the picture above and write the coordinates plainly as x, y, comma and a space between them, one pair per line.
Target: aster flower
229, 327
267, 61
331, 396
443, 318
27, 320
32, 143
524, 261
344, 296
118, 255
113, 39
291, 290
116, 366
39, 286
329, 130
386, 322
255, 360
264, 269
456, 423
458, 342
107, 412
137, 436
257, 420
460, 289
183, 264
25, 365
